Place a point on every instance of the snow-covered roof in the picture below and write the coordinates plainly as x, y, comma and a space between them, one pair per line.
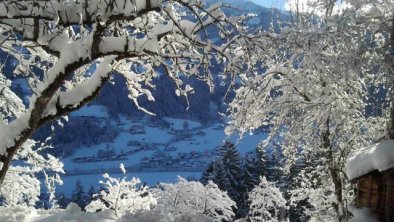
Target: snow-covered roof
379, 157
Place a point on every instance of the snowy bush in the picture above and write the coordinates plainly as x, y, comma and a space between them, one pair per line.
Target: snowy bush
195, 198
267, 202
122, 196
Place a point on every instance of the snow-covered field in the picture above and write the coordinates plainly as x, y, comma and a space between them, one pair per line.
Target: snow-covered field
150, 151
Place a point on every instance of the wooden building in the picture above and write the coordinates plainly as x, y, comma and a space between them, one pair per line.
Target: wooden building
375, 191
372, 170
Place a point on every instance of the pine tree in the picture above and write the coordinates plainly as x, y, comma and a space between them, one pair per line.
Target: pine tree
309, 193
274, 172
230, 175
78, 196
90, 196
63, 201
232, 163
251, 172
219, 175
251, 175
271, 166
207, 174
262, 160
296, 210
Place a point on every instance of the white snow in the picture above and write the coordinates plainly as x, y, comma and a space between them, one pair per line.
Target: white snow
361, 215
150, 178
75, 96
379, 157
9, 133
72, 213
122, 168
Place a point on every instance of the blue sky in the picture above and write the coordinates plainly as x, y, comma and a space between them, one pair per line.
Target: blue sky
269, 3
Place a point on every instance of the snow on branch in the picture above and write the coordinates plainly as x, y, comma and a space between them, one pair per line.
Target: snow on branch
122, 196
75, 12
59, 38
77, 96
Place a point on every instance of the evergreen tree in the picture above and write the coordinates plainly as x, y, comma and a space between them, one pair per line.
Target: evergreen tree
90, 196
251, 175
262, 160
237, 178
271, 166
274, 171
219, 175
63, 201
296, 209
251, 172
232, 163
78, 196
207, 175
309, 191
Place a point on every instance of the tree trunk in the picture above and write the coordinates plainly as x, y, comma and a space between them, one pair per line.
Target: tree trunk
338, 205
335, 174
36, 120
391, 83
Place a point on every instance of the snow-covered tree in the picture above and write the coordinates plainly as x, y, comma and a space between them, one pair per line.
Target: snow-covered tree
312, 194
217, 173
266, 202
207, 174
195, 198
21, 187
291, 183
313, 86
122, 196
65, 51
251, 172
226, 172
250, 176
231, 160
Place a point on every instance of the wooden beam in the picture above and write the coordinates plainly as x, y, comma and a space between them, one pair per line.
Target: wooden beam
369, 190
358, 194
388, 198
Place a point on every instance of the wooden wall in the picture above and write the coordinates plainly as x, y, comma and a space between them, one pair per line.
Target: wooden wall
376, 192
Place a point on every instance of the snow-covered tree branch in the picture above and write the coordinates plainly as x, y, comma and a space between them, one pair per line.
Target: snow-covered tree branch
66, 39
318, 72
